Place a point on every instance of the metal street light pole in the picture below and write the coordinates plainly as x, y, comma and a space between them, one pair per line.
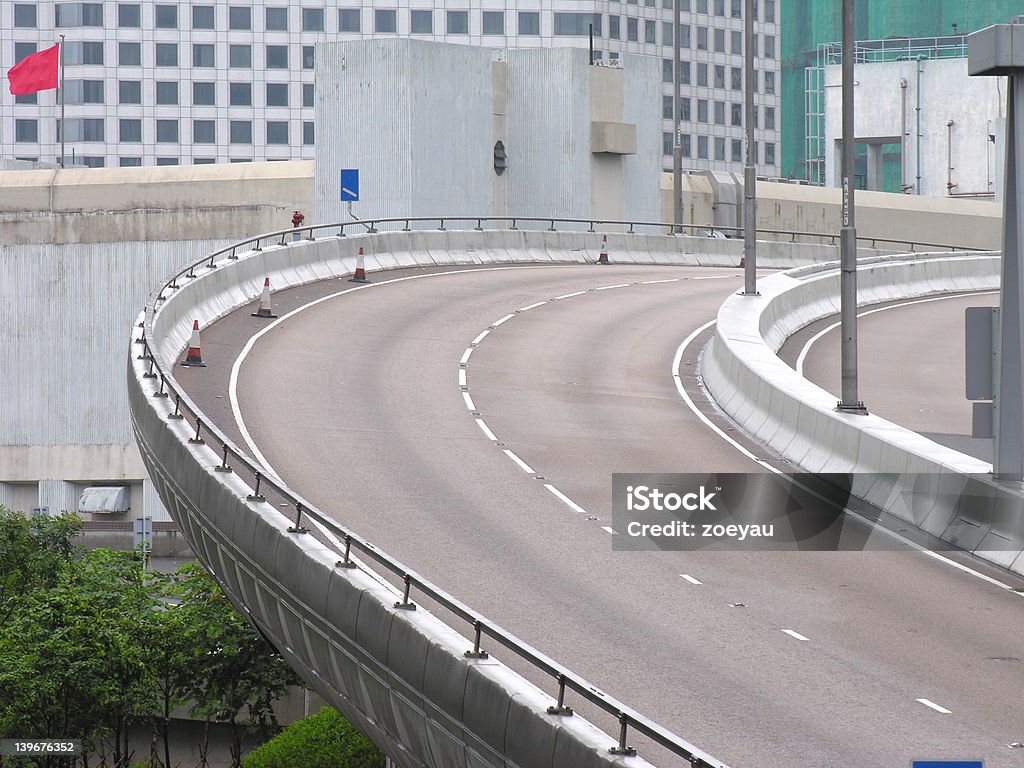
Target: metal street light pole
848, 233
677, 148
749, 172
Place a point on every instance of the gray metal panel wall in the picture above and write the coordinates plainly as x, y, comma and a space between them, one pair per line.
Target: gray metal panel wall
64, 311
641, 106
414, 117
548, 133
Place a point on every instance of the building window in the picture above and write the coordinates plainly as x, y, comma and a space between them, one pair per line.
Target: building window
458, 22
204, 131
666, 107
769, 47
769, 118
26, 130
240, 56
684, 145
736, 42
684, 35
650, 32
719, 41
719, 76
307, 57
702, 38
702, 110
167, 54
719, 148
494, 23
769, 82
129, 15
529, 23
769, 153
307, 94
684, 109
276, 19
167, 92
385, 21
83, 92
167, 161
166, 17
129, 54
130, 162
24, 16
241, 131
83, 129
421, 22
240, 94
240, 17
167, 131
203, 55
204, 94
129, 92
349, 21
632, 27
312, 21
737, 151
614, 27
129, 130
577, 24
720, 113
203, 161
736, 78
277, 94
307, 132
77, 52
202, 17
769, 11
277, 57
666, 33
702, 146
666, 143
78, 15
719, 7
702, 74
277, 131
737, 9
737, 114
666, 71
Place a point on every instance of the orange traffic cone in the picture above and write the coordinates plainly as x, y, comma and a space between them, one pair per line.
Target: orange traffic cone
360, 273
194, 357
265, 309
603, 256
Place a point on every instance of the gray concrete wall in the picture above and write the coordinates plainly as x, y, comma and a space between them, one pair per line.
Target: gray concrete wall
194, 202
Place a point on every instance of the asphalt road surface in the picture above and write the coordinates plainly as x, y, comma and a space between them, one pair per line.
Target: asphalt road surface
787, 660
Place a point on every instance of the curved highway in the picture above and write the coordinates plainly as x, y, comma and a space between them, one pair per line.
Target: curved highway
497, 487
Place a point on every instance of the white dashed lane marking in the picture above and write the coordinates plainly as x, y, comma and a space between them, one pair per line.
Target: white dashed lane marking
797, 635
689, 578
936, 707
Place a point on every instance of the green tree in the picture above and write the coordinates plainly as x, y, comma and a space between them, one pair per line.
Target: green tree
323, 740
32, 554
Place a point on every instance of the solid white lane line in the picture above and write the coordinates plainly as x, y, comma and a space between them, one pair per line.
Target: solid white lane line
811, 341
531, 306
522, 464
606, 528
690, 578
481, 337
486, 430
677, 360
656, 282
462, 377
935, 706
569, 295
568, 502
469, 401
609, 287
506, 318
713, 277
797, 635
465, 356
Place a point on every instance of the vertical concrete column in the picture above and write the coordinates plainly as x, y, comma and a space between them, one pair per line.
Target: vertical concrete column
876, 179
607, 181
499, 127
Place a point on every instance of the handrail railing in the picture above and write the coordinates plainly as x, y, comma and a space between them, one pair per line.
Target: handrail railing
185, 409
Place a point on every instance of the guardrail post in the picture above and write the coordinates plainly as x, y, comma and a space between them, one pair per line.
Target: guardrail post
224, 462
233, 256
255, 495
623, 748
163, 383
560, 708
347, 562
211, 265
477, 653
297, 528
177, 409
404, 603
198, 440
150, 374
256, 247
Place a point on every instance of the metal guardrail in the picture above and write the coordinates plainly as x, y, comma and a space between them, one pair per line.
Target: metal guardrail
234, 460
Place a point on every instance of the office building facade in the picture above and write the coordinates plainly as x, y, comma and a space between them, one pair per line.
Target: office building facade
167, 83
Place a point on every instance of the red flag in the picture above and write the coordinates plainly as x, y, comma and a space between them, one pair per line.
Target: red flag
37, 72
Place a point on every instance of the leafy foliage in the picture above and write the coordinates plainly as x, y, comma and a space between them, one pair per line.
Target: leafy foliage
323, 740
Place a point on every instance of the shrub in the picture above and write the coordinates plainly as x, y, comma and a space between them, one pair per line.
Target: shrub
323, 740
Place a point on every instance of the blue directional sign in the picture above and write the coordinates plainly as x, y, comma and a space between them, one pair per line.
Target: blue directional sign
349, 185
947, 764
